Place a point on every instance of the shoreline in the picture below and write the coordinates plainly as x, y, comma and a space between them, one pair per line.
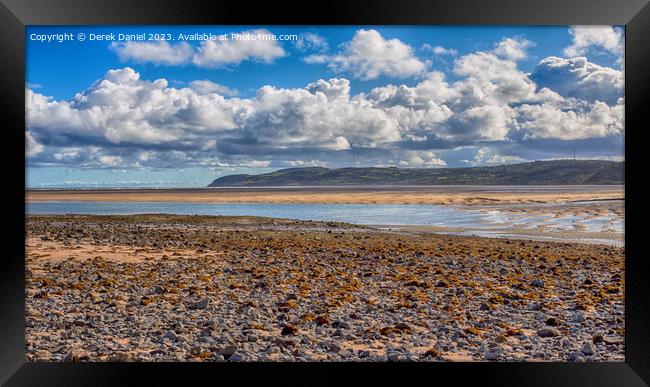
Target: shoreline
200, 288
443, 195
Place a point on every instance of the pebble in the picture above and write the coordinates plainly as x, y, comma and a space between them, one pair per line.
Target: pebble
186, 306
547, 332
588, 349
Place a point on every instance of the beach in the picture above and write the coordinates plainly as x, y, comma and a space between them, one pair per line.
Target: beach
205, 288
445, 195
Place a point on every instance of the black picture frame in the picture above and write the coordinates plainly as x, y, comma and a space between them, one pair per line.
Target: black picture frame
16, 14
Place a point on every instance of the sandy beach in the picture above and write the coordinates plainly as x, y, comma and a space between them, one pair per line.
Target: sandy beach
199, 288
462, 195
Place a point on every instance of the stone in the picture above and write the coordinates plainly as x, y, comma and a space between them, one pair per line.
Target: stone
393, 356
403, 326
123, 357
547, 332
535, 306
578, 317
171, 335
612, 340
538, 283
588, 349
72, 357
288, 330
228, 351
552, 322
202, 304
576, 356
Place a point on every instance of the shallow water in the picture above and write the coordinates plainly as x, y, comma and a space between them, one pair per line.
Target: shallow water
367, 214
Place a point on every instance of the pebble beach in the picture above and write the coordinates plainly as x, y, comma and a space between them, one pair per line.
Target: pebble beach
206, 288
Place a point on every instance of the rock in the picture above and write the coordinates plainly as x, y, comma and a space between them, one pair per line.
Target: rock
289, 330
171, 335
393, 356
122, 357
578, 317
340, 324
535, 306
501, 339
403, 326
552, 322
364, 354
612, 340
236, 357
547, 332
597, 338
159, 290
588, 349
202, 304
228, 351
538, 283
576, 356
322, 320
484, 306
72, 357
492, 355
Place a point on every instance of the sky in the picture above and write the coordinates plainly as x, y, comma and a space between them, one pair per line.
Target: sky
178, 106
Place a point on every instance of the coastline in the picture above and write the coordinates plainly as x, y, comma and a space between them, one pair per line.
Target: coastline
442, 195
201, 288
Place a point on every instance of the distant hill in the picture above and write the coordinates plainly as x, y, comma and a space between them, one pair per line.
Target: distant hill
533, 173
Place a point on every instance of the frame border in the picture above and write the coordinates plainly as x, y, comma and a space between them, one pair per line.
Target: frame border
634, 14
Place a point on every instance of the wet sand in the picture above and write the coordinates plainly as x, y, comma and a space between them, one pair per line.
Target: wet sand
461, 195
200, 288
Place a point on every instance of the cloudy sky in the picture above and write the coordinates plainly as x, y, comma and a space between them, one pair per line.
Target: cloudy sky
183, 112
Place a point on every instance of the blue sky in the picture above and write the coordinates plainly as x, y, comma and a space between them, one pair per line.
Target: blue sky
407, 96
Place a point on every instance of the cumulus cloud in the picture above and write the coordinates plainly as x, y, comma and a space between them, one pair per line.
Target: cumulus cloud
512, 48
220, 53
309, 41
159, 52
205, 86
487, 156
123, 121
32, 147
547, 121
210, 53
579, 78
439, 50
369, 55
419, 159
606, 38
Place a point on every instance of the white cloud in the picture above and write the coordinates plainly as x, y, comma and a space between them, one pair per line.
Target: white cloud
489, 79
309, 41
491, 156
368, 56
606, 38
159, 52
205, 86
579, 78
420, 159
220, 53
124, 121
512, 48
547, 121
32, 148
439, 50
